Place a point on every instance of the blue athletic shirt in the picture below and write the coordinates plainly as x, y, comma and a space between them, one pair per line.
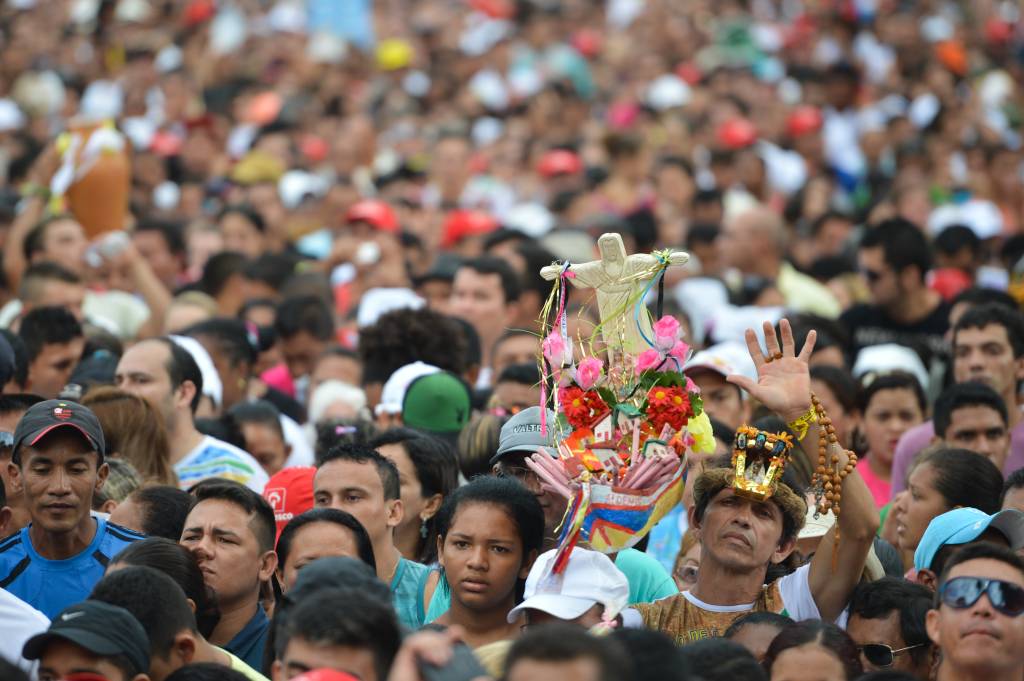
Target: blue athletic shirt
52, 585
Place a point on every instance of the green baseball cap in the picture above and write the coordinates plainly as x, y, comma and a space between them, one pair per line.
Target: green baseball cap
438, 403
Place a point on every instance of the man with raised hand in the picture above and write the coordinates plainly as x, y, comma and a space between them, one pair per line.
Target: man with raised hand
741, 537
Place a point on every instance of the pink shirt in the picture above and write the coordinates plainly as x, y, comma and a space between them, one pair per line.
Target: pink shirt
879, 488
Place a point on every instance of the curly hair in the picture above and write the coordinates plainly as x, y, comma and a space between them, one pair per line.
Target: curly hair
404, 336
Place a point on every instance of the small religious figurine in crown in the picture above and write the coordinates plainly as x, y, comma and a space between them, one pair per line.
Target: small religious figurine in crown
625, 427
758, 460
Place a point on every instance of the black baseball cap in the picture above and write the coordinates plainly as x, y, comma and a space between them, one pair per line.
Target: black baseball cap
102, 629
45, 417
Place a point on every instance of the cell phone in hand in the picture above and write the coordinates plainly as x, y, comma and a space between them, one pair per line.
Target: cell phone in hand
462, 667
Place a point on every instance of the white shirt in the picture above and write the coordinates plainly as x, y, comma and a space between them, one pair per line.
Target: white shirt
19, 622
794, 588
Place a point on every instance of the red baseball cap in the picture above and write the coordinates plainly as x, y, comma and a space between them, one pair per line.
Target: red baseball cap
374, 212
198, 11
559, 162
461, 224
290, 493
325, 675
948, 282
736, 133
802, 120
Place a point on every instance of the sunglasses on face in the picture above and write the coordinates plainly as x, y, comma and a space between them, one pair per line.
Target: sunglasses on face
963, 592
871, 275
881, 655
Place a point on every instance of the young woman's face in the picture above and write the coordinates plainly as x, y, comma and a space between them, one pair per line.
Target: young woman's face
889, 414
809, 662
482, 556
916, 506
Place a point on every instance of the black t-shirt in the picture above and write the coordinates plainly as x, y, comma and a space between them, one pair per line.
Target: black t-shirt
870, 325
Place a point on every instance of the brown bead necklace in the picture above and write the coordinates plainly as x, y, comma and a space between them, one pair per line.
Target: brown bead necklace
827, 481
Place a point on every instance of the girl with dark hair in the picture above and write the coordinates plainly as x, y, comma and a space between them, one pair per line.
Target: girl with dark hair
940, 480
427, 474
179, 564
891, 405
489, 533
839, 393
318, 533
243, 230
813, 649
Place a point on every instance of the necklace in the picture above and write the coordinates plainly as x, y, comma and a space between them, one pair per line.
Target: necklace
828, 479
394, 571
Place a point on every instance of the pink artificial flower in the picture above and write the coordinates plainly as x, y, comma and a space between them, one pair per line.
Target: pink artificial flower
666, 333
680, 350
692, 387
588, 372
648, 359
556, 351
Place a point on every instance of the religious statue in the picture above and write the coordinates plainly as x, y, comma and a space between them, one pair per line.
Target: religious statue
618, 279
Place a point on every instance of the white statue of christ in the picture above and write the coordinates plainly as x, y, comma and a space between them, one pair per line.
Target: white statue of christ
617, 278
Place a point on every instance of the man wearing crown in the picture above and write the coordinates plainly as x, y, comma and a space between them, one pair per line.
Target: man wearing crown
742, 536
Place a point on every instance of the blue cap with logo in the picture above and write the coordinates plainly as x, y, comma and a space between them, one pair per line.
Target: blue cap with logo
964, 525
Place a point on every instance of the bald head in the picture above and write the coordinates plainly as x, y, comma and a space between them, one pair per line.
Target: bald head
753, 240
764, 223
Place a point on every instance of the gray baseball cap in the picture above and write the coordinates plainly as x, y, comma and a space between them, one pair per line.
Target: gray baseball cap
522, 433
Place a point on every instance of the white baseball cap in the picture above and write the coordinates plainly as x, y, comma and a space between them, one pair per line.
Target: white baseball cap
377, 302
212, 386
726, 359
590, 578
392, 395
886, 357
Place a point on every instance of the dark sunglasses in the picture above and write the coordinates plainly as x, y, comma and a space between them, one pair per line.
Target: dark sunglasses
871, 275
881, 655
963, 592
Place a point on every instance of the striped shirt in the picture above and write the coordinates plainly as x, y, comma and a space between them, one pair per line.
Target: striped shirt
213, 458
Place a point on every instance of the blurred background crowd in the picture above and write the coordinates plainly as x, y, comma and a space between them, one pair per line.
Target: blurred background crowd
245, 231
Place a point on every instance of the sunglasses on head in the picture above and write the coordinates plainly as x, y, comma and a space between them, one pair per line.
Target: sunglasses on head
963, 592
881, 655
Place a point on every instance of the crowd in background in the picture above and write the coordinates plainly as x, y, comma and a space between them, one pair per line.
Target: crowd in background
271, 418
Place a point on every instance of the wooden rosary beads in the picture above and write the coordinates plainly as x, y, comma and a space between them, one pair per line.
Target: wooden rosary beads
828, 478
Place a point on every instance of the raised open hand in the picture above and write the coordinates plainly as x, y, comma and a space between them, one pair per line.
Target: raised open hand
783, 377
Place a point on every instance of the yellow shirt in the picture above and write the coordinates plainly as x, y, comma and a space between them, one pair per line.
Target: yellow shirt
805, 294
245, 670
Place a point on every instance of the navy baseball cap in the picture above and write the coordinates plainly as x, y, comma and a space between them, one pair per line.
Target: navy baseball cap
45, 417
102, 629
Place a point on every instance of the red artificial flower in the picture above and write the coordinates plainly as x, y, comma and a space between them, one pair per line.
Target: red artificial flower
668, 406
580, 407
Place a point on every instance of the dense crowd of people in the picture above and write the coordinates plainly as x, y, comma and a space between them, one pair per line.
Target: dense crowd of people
271, 312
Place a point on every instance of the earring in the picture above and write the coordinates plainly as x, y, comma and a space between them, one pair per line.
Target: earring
423, 528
